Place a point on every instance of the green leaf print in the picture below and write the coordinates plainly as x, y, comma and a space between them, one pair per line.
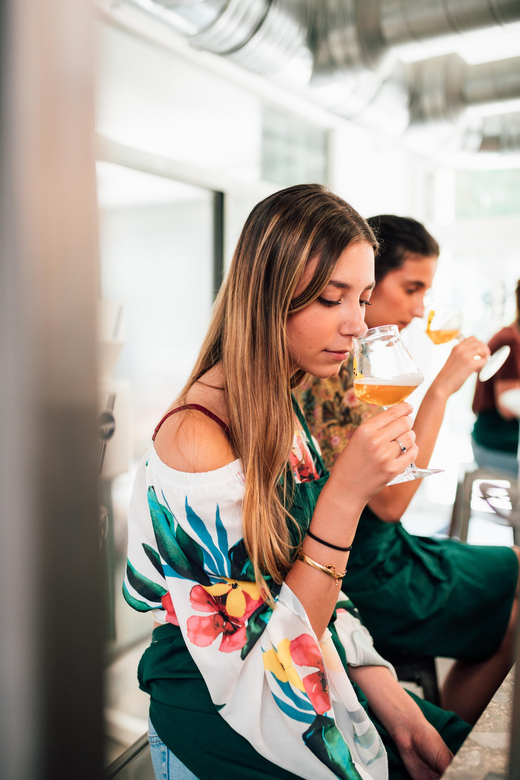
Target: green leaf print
241, 566
194, 554
154, 558
255, 627
324, 739
146, 588
163, 525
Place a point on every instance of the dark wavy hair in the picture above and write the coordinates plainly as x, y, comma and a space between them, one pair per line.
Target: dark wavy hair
398, 237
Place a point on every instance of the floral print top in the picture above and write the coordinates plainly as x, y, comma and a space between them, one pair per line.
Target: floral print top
188, 564
332, 410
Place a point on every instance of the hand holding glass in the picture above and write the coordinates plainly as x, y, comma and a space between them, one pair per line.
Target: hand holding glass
385, 374
443, 323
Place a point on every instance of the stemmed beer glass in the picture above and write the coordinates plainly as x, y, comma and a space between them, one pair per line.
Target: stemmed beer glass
443, 323
385, 374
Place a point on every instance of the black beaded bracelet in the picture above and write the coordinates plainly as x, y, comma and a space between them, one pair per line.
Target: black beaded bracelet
328, 544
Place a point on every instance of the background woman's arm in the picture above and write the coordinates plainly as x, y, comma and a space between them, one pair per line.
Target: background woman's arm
391, 502
422, 749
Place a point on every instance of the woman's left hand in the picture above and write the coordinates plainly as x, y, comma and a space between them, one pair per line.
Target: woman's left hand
466, 357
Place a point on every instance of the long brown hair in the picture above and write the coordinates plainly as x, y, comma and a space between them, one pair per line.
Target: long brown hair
247, 334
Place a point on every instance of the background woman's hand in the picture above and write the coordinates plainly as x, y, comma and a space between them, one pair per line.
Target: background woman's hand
423, 751
373, 456
421, 747
460, 364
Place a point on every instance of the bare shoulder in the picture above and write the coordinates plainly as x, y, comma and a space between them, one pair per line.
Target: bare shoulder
192, 442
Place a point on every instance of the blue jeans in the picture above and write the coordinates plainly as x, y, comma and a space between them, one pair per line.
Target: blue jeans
166, 765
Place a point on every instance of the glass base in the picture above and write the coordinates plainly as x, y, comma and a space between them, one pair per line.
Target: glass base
412, 472
494, 362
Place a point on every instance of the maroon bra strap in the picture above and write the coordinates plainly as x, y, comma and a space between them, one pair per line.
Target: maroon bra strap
200, 409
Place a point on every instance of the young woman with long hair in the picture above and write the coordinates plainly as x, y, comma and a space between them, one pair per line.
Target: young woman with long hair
238, 537
416, 594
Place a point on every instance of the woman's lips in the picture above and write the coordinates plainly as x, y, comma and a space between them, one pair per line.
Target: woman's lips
343, 355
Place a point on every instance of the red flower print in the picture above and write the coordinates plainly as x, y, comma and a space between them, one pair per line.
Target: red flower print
306, 652
203, 631
167, 603
301, 461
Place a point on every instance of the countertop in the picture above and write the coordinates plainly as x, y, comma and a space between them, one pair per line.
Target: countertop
485, 753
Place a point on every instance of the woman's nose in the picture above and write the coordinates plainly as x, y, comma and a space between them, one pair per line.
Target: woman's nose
354, 325
418, 308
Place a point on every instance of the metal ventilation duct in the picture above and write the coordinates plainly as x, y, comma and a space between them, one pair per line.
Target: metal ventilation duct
407, 21
345, 52
270, 37
355, 34
442, 88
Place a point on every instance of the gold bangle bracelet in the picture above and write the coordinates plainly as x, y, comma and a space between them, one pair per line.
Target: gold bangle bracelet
326, 569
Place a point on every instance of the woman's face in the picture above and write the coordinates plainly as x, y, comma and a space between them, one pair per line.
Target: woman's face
399, 296
320, 335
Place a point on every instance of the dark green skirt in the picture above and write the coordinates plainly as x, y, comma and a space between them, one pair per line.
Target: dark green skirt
429, 596
186, 720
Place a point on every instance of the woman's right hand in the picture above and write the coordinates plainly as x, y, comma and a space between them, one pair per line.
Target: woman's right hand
466, 357
373, 456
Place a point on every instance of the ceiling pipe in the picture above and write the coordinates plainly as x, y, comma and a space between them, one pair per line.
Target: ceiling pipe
443, 88
492, 82
412, 21
344, 53
354, 34
268, 37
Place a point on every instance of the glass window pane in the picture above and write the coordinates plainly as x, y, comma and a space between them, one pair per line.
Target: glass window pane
156, 245
487, 193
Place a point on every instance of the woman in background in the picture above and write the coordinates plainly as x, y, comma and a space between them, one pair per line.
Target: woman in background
417, 594
495, 434
238, 538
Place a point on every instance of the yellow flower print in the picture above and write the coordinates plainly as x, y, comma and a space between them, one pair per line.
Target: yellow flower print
279, 662
235, 590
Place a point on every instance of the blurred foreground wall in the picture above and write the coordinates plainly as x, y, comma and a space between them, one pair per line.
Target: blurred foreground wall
51, 600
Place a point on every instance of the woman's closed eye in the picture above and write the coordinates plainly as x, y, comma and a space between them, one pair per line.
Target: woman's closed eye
328, 303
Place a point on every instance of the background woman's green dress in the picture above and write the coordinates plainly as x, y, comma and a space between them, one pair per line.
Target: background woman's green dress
436, 597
